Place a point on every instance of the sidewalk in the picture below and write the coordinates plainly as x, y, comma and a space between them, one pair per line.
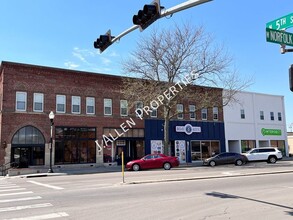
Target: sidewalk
24, 173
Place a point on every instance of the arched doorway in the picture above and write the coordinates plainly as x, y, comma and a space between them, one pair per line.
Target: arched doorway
28, 147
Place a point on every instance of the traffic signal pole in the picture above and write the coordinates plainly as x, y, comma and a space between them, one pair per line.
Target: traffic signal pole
162, 13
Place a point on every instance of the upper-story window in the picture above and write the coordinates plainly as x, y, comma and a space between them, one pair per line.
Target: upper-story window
272, 116
204, 114
38, 102
21, 101
242, 113
192, 112
90, 105
279, 116
261, 115
139, 109
215, 113
60, 103
154, 113
180, 111
107, 106
75, 104
123, 107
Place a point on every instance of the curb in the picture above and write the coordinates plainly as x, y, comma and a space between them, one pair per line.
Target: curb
209, 177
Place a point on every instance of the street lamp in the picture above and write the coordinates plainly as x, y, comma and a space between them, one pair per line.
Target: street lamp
51, 117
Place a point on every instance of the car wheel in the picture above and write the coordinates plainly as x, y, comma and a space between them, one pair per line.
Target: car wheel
212, 163
239, 162
135, 167
272, 159
167, 166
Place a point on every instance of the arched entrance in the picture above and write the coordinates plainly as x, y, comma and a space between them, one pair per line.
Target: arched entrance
28, 147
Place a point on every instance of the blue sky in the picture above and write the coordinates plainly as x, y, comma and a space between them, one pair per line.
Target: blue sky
61, 34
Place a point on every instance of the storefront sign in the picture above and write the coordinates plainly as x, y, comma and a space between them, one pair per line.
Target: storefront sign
156, 146
180, 150
275, 132
188, 129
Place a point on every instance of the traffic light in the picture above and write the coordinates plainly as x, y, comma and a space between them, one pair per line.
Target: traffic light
103, 41
291, 77
148, 15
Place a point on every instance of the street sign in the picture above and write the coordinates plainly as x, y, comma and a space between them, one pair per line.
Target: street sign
279, 37
281, 23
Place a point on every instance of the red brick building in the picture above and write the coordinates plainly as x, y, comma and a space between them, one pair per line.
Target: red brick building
86, 107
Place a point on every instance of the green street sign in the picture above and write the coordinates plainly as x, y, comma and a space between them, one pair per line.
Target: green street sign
275, 132
279, 37
281, 23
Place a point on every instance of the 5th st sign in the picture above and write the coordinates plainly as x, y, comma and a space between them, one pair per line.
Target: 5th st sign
281, 23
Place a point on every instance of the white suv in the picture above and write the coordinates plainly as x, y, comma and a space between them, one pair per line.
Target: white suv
269, 154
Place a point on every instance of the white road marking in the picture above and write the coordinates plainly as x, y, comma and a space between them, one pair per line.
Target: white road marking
20, 199
46, 185
41, 217
8, 187
7, 190
230, 173
17, 208
19, 193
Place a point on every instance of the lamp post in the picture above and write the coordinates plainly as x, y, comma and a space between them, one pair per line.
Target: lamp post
51, 117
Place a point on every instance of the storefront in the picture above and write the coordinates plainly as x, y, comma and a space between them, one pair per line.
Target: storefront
27, 147
75, 145
189, 140
258, 120
130, 142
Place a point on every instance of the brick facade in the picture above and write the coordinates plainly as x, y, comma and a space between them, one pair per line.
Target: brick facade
54, 81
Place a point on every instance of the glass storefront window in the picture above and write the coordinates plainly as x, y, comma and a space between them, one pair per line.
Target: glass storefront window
75, 145
280, 144
247, 145
204, 149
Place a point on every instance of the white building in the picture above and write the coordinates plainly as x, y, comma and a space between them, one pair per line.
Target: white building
256, 120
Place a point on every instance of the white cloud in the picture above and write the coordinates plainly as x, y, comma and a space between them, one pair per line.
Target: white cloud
71, 65
106, 61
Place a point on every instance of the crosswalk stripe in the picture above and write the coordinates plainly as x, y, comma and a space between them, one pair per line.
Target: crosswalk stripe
41, 217
46, 185
17, 208
8, 187
7, 190
20, 199
19, 193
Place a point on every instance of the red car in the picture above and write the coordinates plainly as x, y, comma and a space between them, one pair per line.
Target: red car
152, 161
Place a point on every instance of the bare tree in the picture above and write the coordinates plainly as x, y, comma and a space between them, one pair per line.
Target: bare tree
166, 60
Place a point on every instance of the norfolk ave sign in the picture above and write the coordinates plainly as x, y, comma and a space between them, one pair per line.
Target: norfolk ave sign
279, 37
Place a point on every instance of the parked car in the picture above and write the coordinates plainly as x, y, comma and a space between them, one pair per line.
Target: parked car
269, 154
152, 161
226, 158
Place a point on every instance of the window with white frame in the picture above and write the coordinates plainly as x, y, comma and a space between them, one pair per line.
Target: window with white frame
204, 114
139, 109
60, 103
107, 106
279, 116
272, 116
192, 112
215, 113
123, 107
154, 108
180, 111
21, 101
38, 105
90, 105
261, 115
75, 104
242, 114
